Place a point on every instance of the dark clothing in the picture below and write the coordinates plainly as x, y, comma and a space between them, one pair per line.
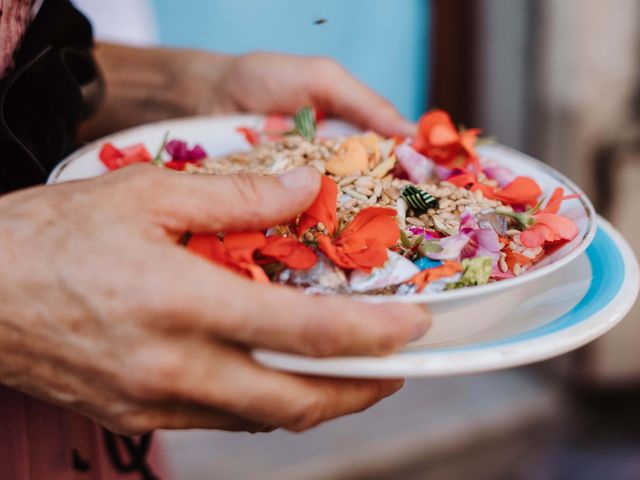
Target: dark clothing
54, 85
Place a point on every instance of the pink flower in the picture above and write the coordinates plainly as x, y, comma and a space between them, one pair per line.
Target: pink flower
547, 226
503, 175
418, 167
181, 152
471, 241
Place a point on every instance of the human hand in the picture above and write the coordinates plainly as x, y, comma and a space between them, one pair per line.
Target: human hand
150, 84
102, 312
270, 82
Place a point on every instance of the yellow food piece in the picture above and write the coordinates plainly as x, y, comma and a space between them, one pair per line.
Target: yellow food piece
371, 142
352, 157
385, 167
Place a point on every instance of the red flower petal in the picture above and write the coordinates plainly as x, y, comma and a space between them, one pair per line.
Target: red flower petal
439, 140
334, 253
376, 224
561, 226
555, 200
235, 253
289, 251
250, 135
242, 246
535, 236
323, 209
522, 191
138, 150
208, 246
114, 158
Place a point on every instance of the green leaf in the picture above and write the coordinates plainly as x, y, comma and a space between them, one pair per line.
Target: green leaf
157, 160
305, 123
476, 271
406, 243
524, 218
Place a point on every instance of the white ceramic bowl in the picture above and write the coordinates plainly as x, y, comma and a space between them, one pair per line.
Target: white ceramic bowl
457, 314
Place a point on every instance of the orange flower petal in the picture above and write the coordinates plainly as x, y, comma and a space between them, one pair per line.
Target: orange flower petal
439, 139
555, 200
374, 223
522, 191
514, 257
535, 236
424, 277
373, 256
241, 246
463, 180
207, 246
323, 209
468, 139
235, 253
289, 251
334, 253
561, 226
436, 126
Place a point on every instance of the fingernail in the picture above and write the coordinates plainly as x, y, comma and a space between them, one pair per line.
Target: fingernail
298, 178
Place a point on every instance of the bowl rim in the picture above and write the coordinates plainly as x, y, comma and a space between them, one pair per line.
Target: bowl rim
433, 297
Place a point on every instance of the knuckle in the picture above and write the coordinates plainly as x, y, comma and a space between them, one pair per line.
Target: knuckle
325, 64
157, 373
387, 344
131, 423
142, 177
325, 70
323, 337
308, 414
247, 187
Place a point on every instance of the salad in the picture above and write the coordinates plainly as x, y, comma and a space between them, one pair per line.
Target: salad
394, 216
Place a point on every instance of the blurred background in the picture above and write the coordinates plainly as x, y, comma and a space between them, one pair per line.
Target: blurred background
558, 79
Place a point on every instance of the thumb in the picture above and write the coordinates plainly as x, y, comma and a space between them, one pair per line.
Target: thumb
212, 203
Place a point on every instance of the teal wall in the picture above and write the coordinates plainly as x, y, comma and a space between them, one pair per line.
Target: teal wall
382, 42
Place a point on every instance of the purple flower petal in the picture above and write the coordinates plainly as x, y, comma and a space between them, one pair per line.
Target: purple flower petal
180, 152
418, 167
502, 175
468, 222
422, 231
451, 247
443, 173
483, 242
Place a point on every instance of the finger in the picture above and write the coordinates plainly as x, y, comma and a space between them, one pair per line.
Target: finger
209, 203
338, 92
283, 318
246, 389
182, 416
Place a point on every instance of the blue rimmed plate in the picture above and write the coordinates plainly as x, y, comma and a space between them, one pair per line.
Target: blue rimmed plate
554, 315
484, 313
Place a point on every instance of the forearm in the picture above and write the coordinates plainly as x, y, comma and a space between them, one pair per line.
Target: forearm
149, 84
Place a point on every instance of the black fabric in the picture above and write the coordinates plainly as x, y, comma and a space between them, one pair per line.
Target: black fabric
54, 85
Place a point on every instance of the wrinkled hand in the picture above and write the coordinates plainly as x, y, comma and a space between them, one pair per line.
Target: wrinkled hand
150, 84
102, 312
269, 82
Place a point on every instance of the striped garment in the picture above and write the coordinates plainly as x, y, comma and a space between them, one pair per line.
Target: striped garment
15, 16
